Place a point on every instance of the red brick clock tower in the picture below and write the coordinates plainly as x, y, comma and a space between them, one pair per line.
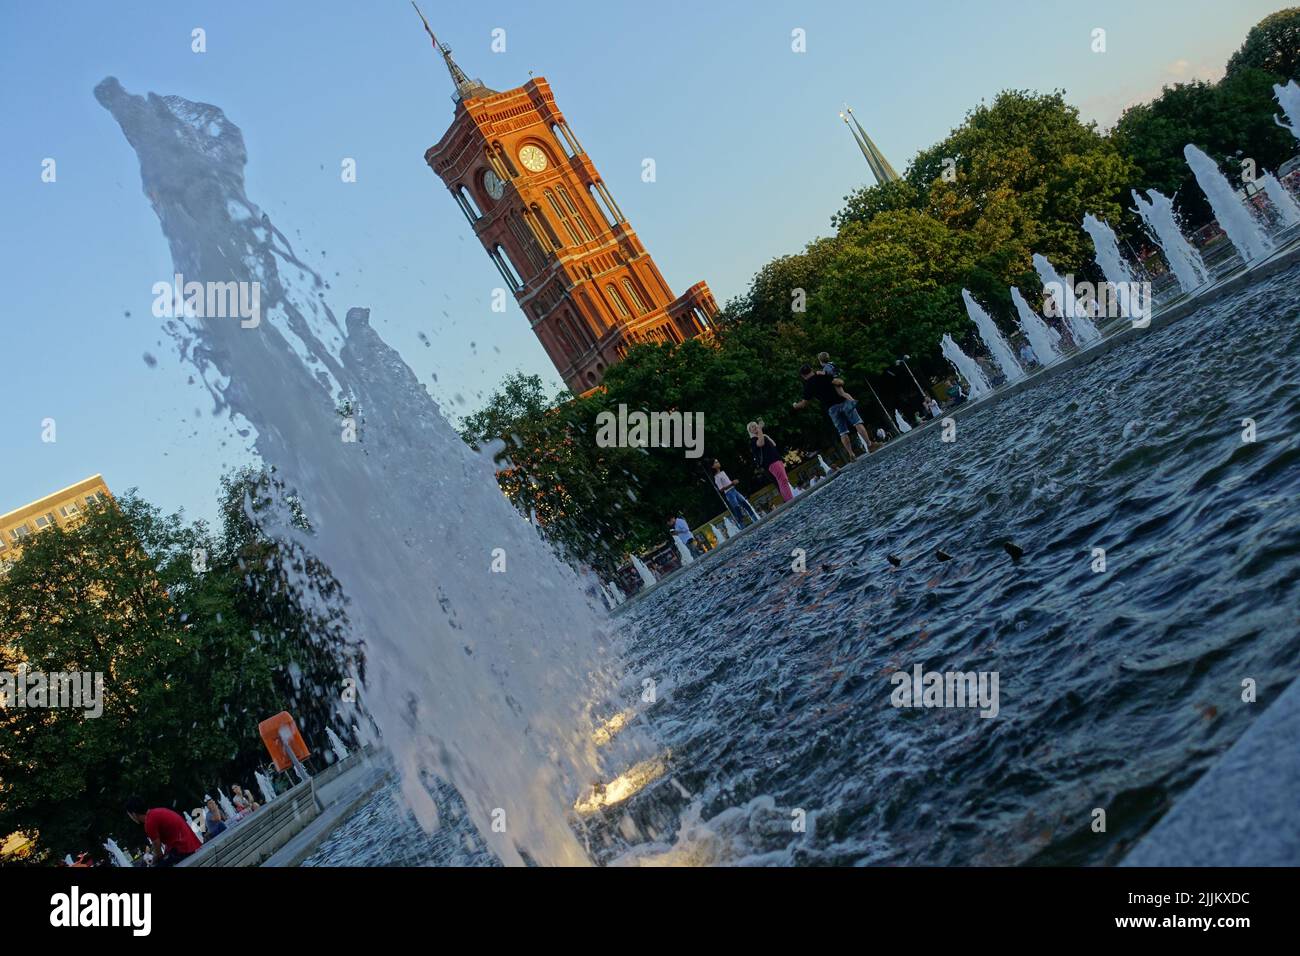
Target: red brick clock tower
560, 241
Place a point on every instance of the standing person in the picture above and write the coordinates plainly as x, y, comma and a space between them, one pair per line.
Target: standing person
767, 455
831, 369
842, 411
170, 837
736, 503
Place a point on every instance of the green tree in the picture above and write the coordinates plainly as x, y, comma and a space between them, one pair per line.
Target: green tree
1273, 46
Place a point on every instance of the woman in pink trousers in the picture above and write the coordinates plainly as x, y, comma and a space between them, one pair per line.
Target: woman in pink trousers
767, 455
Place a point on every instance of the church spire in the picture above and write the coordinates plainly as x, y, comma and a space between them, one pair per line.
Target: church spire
466, 89
880, 167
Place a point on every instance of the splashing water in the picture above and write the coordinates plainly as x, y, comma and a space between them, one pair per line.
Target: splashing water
1081, 327
683, 552
1242, 229
901, 422
647, 576
730, 525
263, 784
1157, 211
336, 745
993, 340
1288, 209
119, 857
485, 681
227, 808
1043, 339
1288, 97
977, 385
1114, 268
821, 463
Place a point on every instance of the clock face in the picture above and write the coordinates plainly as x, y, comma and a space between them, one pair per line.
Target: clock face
493, 184
532, 158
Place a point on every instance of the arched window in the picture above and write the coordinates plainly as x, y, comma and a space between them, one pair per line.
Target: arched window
574, 211
507, 267
580, 329
596, 195
565, 146
618, 301
527, 241
465, 199
634, 296
564, 217
546, 225
505, 160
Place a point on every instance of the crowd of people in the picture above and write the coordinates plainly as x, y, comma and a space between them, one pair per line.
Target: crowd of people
171, 836
825, 387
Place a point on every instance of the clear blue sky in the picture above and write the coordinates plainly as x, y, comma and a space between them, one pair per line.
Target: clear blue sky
751, 157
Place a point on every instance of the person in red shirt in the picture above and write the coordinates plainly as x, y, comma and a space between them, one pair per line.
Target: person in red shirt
169, 835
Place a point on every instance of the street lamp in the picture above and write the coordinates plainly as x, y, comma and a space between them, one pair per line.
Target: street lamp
903, 362
889, 421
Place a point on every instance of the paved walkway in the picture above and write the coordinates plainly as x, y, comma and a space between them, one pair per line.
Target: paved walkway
1245, 810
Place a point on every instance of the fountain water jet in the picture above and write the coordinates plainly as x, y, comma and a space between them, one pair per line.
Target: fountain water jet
1285, 203
1081, 327
1243, 231
263, 784
1043, 339
483, 681
647, 576
1117, 272
119, 856
993, 340
901, 422
1288, 97
1157, 211
977, 385
336, 745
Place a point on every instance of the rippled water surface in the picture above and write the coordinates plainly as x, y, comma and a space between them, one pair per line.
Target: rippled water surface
772, 690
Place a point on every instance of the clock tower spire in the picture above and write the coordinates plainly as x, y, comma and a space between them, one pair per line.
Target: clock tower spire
552, 229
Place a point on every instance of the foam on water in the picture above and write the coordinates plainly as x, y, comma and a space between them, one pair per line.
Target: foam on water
482, 680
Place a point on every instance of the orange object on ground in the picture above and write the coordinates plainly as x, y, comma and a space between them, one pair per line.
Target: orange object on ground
271, 734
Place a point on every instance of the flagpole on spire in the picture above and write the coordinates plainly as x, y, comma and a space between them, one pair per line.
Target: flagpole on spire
465, 87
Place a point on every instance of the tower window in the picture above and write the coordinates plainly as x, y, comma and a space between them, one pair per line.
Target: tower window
575, 212
564, 218
600, 204
618, 301
565, 146
467, 204
506, 267
634, 296
546, 225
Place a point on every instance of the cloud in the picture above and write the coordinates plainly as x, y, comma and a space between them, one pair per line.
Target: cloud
1106, 108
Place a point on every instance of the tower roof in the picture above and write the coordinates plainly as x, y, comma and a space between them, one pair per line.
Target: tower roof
880, 167
466, 89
